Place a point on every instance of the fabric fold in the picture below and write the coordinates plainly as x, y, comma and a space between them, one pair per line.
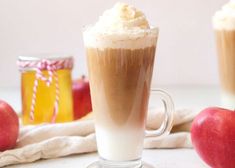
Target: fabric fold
47, 141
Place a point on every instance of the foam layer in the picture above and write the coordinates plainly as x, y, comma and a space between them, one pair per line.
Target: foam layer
122, 26
225, 18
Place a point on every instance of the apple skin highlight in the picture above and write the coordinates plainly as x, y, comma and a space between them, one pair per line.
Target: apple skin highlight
213, 137
9, 126
81, 98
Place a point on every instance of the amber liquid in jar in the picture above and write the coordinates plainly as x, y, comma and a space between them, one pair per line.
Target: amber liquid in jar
46, 97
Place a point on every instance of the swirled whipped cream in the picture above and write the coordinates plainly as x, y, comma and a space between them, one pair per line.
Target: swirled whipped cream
225, 18
122, 26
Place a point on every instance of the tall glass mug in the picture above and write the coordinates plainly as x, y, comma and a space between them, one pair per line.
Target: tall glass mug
120, 72
224, 27
46, 88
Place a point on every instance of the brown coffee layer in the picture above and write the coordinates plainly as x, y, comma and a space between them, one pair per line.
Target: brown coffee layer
226, 51
120, 83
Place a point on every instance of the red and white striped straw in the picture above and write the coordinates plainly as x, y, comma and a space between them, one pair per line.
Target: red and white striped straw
51, 66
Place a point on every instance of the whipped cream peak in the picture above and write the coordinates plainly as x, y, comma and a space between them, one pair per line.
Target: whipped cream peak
121, 17
225, 18
121, 26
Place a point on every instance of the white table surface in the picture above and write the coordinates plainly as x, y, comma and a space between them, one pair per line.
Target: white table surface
194, 97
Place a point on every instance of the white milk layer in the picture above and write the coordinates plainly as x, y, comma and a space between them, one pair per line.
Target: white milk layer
119, 145
225, 18
122, 26
228, 100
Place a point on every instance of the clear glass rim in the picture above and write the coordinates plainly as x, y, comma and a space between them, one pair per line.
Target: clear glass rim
90, 26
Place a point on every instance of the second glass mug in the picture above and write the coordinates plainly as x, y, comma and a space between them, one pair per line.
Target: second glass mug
120, 80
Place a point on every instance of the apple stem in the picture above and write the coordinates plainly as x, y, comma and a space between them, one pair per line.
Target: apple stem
83, 77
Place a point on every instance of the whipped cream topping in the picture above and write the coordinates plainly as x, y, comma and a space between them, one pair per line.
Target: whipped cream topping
122, 26
225, 18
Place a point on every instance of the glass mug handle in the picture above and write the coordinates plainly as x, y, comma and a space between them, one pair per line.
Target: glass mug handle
167, 123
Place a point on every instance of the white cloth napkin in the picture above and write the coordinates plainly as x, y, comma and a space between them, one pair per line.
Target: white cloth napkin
57, 140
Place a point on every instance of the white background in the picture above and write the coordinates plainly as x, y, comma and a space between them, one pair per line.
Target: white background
186, 50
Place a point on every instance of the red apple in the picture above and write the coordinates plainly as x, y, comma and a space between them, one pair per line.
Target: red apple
81, 98
213, 137
9, 126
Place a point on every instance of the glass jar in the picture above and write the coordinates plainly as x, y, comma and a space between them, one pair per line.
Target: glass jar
46, 89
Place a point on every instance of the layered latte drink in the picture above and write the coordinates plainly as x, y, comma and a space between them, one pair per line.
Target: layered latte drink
120, 51
224, 26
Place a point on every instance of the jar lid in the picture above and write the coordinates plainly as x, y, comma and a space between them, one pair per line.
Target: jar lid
44, 62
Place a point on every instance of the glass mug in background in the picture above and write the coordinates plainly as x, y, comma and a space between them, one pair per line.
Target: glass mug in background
120, 78
46, 88
224, 28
